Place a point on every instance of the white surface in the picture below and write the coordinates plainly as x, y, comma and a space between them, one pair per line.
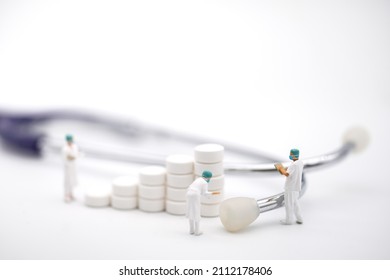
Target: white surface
234, 70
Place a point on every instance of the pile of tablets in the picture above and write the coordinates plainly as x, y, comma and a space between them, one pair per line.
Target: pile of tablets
160, 188
151, 189
180, 175
210, 157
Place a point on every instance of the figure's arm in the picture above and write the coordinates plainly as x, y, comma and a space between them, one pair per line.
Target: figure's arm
281, 169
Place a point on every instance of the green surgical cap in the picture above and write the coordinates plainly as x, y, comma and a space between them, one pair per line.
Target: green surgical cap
69, 137
295, 152
207, 174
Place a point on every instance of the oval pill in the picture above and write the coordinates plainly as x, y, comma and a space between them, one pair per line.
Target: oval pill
152, 175
176, 194
123, 203
209, 153
175, 207
151, 205
209, 210
151, 192
215, 168
97, 197
125, 186
179, 181
180, 164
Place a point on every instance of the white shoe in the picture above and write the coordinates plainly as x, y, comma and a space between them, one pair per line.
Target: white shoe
284, 222
198, 233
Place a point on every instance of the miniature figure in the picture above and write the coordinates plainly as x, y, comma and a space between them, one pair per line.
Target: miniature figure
292, 187
70, 154
194, 192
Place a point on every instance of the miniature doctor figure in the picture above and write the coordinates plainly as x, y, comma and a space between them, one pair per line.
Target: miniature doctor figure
292, 187
194, 193
70, 153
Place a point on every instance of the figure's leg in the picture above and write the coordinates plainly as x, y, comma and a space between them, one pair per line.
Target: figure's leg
297, 208
288, 205
197, 228
192, 226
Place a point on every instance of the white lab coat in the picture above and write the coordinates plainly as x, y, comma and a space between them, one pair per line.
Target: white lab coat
70, 176
194, 192
292, 188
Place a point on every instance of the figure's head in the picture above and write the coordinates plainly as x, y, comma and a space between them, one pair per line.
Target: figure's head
69, 138
294, 154
207, 175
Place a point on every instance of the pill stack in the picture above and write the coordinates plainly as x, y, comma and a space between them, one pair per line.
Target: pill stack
180, 175
97, 196
210, 157
124, 193
151, 189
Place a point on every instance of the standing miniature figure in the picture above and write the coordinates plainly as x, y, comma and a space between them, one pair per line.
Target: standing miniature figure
70, 153
194, 193
292, 187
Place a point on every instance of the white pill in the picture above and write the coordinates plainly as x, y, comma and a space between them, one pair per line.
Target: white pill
212, 199
152, 175
97, 196
209, 210
179, 181
215, 168
209, 153
125, 186
180, 164
176, 207
176, 194
123, 203
216, 183
151, 192
151, 205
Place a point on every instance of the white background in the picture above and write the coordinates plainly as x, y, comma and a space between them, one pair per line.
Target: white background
271, 75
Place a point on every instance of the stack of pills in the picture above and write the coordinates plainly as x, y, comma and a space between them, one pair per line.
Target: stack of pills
180, 175
210, 157
151, 189
124, 193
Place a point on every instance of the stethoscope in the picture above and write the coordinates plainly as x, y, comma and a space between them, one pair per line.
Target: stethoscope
19, 131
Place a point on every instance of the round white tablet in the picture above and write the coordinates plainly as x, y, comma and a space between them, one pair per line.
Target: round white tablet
209, 153
152, 175
176, 194
123, 203
151, 192
179, 181
151, 205
97, 196
125, 186
216, 183
212, 198
175, 207
215, 168
209, 210
180, 164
